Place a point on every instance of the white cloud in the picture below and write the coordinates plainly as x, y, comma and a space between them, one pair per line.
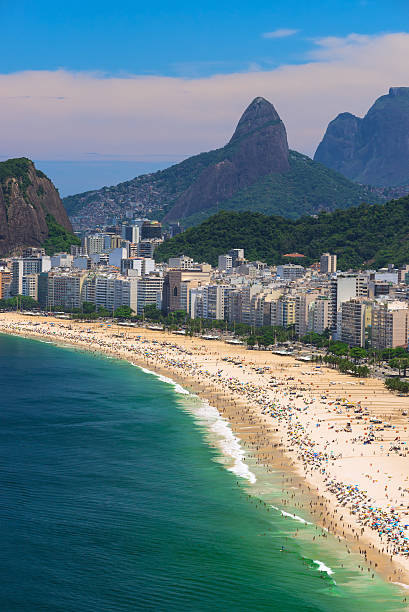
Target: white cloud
63, 115
281, 33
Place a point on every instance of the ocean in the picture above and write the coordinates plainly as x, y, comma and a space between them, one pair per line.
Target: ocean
119, 491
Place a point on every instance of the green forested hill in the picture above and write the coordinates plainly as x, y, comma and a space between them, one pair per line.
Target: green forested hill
306, 189
367, 235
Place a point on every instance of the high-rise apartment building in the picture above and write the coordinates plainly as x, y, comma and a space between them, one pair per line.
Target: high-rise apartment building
290, 271
5, 281
390, 322
286, 308
130, 233
353, 322
65, 288
214, 302
342, 289
112, 291
225, 262
237, 255
176, 287
319, 315
95, 243
181, 263
146, 248
303, 305
20, 267
149, 291
137, 266
30, 286
151, 230
328, 263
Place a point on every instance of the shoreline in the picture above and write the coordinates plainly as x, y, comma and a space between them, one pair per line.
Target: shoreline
262, 435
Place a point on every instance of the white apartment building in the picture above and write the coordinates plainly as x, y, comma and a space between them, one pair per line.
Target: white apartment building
225, 262
328, 263
181, 263
342, 289
213, 302
319, 315
61, 260
65, 288
21, 267
290, 271
303, 305
30, 285
196, 303
137, 266
112, 291
149, 291
96, 243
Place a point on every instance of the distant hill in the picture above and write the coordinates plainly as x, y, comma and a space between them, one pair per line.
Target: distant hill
373, 150
31, 212
366, 235
254, 171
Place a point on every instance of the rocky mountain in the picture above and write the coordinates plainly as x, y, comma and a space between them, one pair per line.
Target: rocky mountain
254, 171
257, 148
31, 211
374, 149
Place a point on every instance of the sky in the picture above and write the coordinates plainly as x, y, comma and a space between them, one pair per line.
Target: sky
158, 81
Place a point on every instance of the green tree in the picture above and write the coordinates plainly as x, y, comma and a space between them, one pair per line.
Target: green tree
396, 384
123, 312
103, 312
19, 302
357, 353
399, 363
251, 341
152, 313
88, 307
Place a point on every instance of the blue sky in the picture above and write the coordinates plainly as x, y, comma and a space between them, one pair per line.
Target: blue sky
188, 39
154, 82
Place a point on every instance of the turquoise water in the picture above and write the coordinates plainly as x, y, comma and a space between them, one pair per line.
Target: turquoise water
115, 496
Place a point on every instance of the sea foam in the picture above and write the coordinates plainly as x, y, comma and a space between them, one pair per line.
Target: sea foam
178, 388
323, 568
227, 442
295, 517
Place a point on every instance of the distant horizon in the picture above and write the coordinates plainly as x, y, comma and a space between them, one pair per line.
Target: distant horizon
131, 80
76, 176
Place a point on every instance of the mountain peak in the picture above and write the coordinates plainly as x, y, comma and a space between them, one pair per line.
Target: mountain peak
257, 115
373, 150
398, 91
259, 149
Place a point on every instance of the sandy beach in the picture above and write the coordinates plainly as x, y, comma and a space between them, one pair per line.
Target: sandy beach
341, 440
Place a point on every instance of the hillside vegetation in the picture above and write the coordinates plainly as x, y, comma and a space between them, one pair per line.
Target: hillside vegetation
31, 211
59, 239
366, 235
307, 188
